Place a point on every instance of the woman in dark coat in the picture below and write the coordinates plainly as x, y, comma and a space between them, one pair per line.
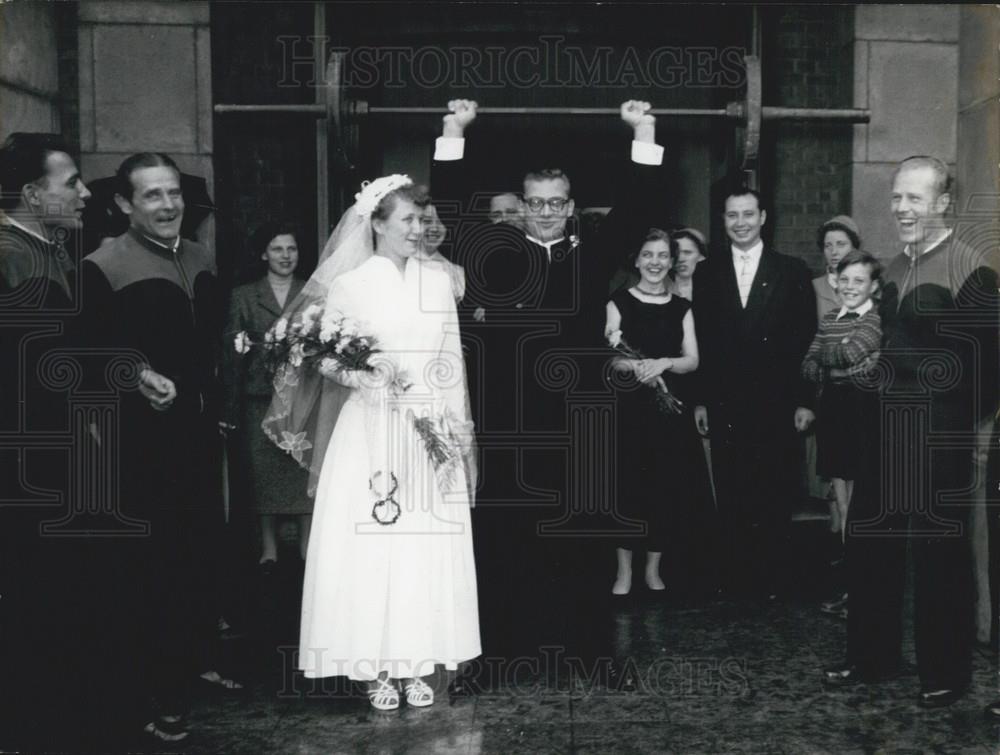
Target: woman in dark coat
275, 483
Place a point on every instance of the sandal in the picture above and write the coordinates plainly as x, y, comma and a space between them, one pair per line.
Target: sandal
385, 696
166, 730
418, 694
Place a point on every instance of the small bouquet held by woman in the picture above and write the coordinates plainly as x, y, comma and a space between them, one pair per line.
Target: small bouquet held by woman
666, 401
335, 345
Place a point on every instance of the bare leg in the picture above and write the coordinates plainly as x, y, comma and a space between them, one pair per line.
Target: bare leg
836, 525
843, 490
623, 582
653, 581
269, 538
305, 523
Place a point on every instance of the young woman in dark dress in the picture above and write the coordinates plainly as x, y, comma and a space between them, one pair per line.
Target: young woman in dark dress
653, 444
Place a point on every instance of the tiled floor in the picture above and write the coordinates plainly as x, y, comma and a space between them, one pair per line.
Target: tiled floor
711, 676
721, 677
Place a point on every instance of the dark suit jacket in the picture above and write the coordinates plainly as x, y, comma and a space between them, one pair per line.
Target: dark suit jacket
252, 308
750, 358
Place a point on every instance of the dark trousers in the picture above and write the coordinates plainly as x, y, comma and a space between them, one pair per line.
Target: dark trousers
755, 462
901, 500
173, 478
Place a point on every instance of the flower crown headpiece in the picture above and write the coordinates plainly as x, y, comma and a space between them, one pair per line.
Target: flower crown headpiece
373, 192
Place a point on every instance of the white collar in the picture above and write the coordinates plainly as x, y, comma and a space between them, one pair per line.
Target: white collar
547, 244
10, 220
944, 237
755, 251
862, 310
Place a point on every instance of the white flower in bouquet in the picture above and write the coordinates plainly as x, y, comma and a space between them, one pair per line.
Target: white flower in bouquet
329, 325
329, 366
342, 343
242, 342
309, 316
281, 329
296, 355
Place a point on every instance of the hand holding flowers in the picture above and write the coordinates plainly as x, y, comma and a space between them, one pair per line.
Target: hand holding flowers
647, 371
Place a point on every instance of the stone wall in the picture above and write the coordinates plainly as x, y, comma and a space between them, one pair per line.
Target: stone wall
145, 86
29, 69
906, 71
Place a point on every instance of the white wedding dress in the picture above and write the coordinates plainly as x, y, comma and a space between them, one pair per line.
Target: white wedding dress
396, 598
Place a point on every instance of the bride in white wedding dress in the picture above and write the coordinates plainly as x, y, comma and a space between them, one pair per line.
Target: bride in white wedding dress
390, 582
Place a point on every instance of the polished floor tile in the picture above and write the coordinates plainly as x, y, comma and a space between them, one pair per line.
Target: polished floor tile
714, 676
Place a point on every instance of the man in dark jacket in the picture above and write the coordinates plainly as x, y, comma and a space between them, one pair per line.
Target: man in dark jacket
755, 313
151, 293
49, 583
938, 397
535, 354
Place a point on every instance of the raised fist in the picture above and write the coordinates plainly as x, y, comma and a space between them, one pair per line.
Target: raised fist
634, 113
462, 113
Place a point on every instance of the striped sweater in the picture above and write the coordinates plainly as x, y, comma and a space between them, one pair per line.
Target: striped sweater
844, 344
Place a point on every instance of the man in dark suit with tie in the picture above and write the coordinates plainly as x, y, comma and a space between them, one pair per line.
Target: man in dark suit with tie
540, 291
755, 314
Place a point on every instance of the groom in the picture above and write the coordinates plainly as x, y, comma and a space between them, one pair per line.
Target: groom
538, 347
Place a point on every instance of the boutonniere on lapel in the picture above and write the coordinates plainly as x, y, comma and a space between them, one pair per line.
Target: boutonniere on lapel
574, 241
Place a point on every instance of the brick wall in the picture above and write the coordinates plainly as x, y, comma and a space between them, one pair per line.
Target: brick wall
807, 61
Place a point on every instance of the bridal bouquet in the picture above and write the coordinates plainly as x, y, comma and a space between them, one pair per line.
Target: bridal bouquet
331, 341
666, 401
309, 339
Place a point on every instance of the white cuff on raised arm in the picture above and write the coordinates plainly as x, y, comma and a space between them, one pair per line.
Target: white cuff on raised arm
646, 153
449, 148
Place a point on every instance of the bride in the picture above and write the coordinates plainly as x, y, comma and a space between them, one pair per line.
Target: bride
390, 583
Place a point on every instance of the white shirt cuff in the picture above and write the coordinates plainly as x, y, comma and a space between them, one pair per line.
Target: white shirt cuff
646, 153
449, 148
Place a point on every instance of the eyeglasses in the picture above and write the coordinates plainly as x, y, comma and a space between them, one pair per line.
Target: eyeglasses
556, 204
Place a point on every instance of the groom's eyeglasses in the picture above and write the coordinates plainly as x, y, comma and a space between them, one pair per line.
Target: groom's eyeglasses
556, 204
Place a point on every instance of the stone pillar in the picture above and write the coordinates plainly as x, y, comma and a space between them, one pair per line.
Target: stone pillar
906, 72
29, 71
146, 86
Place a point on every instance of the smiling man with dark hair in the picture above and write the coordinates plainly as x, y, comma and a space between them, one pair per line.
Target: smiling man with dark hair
151, 292
756, 315
43, 200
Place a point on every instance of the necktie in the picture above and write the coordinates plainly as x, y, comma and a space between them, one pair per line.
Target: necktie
746, 280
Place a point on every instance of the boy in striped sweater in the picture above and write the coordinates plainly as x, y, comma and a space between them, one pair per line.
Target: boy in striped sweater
844, 350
